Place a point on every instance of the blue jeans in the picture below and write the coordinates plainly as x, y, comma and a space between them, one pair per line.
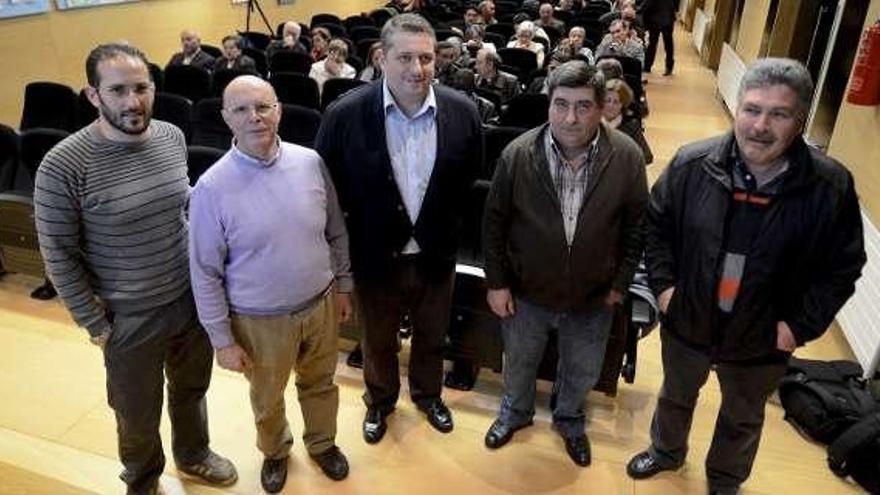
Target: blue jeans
582, 341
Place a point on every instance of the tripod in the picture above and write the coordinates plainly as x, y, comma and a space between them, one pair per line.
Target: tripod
255, 4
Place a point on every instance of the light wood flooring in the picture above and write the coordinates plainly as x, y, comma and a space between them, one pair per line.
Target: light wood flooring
57, 434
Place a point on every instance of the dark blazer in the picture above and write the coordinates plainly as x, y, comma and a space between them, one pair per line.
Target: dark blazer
202, 60
242, 63
352, 142
659, 13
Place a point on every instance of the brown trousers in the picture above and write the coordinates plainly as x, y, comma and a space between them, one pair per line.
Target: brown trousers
305, 342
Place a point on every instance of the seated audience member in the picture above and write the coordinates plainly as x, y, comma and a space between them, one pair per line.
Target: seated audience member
447, 71
232, 57
619, 43
611, 68
525, 32
576, 38
545, 13
539, 84
488, 113
289, 40
487, 12
192, 53
473, 36
471, 17
616, 113
373, 71
333, 65
462, 57
490, 78
570, 6
537, 31
320, 42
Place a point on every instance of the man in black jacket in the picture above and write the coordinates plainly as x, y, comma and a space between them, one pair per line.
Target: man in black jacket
754, 242
403, 154
563, 236
659, 16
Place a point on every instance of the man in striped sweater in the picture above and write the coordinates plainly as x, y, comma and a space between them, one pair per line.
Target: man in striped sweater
110, 203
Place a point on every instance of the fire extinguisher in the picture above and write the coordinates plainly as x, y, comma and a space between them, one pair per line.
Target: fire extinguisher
864, 86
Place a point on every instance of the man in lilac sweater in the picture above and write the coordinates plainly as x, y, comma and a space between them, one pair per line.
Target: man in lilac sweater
270, 274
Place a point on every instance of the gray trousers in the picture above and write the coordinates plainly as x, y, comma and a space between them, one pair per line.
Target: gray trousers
744, 392
144, 349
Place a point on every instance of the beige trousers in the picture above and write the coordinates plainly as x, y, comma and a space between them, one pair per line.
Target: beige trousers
305, 342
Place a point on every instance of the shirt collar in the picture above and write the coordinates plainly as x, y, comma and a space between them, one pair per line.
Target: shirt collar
253, 160
389, 103
591, 148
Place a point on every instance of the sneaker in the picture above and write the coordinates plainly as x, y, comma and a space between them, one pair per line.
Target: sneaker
213, 469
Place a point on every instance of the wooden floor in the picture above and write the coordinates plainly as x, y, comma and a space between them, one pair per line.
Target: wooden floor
57, 435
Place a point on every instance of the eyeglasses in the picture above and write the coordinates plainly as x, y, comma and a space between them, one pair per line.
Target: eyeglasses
243, 111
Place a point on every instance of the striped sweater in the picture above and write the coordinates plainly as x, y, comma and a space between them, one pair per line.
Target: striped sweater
111, 222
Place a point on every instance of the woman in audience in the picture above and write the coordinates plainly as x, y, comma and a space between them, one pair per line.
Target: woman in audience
333, 65
524, 34
618, 97
373, 71
320, 42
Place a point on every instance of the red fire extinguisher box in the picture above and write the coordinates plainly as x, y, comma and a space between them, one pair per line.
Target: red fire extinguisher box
864, 85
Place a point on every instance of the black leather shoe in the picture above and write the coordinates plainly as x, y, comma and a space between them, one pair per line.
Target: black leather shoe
500, 433
375, 425
44, 292
578, 449
643, 465
333, 463
274, 474
438, 415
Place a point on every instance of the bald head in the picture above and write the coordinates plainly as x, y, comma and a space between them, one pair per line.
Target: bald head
190, 41
292, 29
252, 112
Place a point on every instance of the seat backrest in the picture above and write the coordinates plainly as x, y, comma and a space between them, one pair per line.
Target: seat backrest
221, 78
9, 156
354, 21
299, 125
48, 104
212, 50
363, 48
259, 58
199, 159
525, 61
289, 61
209, 129
35, 143
190, 82
174, 109
470, 250
157, 74
526, 110
495, 139
19, 247
297, 89
336, 87
358, 33
337, 30
254, 39
324, 18
86, 113
505, 29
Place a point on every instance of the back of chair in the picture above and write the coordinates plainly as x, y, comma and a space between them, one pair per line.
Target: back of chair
86, 113
470, 249
495, 139
209, 129
157, 74
9, 156
358, 33
190, 82
199, 159
48, 104
336, 87
525, 61
174, 109
254, 39
526, 110
19, 247
35, 143
221, 78
324, 18
354, 21
505, 29
212, 50
259, 58
337, 30
299, 125
297, 89
289, 61
380, 16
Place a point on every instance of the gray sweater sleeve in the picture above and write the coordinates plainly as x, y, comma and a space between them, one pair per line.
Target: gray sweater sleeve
59, 228
337, 237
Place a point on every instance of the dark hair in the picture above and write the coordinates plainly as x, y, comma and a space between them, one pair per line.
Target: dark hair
577, 74
232, 37
406, 23
443, 45
109, 51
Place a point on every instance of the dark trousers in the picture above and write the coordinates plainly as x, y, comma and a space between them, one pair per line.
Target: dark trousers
744, 392
144, 349
382, 304
668, 46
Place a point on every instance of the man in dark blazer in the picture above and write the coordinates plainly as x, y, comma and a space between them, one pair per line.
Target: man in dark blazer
659, 18
192, 53
403, 155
